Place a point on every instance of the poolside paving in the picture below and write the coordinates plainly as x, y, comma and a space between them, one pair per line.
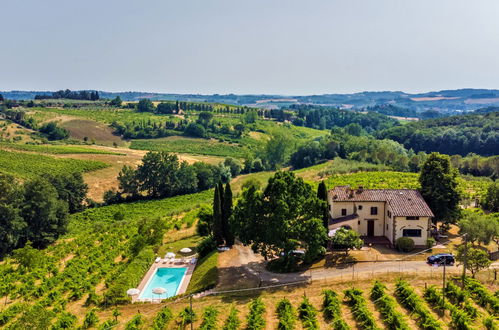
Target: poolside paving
161, 264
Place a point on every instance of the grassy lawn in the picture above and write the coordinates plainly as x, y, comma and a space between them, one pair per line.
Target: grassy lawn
206, 273
175, 246
56, 149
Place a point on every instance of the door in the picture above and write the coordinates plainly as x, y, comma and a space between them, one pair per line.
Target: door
370, 228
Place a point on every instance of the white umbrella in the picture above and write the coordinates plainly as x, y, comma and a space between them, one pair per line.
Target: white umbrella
159, 290
170, 255
133, 292
186, 250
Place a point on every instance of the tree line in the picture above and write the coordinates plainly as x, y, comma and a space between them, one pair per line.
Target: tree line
320, 117
162, 175
472, 133
202, 127
37, 210
72, 95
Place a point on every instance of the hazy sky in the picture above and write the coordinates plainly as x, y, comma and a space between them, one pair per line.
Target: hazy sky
252, 46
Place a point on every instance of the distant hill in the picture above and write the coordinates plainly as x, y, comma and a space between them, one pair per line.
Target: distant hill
445, 102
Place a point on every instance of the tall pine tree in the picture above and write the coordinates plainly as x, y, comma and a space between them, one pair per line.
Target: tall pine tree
227, 213
322, 195
217, 215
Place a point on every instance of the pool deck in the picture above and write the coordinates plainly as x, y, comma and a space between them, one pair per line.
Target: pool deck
166, 264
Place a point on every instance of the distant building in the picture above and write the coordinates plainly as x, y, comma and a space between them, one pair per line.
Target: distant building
381, 213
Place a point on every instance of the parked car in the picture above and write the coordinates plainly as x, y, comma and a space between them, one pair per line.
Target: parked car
440, 259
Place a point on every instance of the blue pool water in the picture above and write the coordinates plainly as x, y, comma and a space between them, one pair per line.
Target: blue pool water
168, 278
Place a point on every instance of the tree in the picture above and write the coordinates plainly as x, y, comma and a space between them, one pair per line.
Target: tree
116, 102
234, 165
46, 216
439, 187
150, 232
277, 149
353, 129
322, 195
205, 118
491, 199
205, 222
158, 174
11, 222
53, 131
195, 130
346, 239
145, 105
28, 257
128, 182
217, 215
250, 116
476, 259
280, 219
71, 188
479, 228
227, 214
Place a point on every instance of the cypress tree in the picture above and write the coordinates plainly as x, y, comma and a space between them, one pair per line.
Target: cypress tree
322, 195
217, 216
227, 213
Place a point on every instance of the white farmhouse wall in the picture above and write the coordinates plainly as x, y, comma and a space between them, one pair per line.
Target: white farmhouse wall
402, 223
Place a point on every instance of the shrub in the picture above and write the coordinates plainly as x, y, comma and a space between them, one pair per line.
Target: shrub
388, 307
187, 316
209, 318
206, 246
331, 305
404, 244
90, 320
255, 320
430, 242
286, 315
232, 322
308, 315
129, 278
360, 310
135, 323
162, 318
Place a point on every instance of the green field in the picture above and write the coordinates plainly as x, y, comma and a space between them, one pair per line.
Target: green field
191, 146
56, 149
24, 165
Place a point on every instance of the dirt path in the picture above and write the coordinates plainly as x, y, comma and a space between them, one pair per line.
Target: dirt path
241, 260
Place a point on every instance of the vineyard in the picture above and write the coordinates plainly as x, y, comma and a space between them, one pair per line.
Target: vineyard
90, 266
191, 146
470, 186
24, 165
382, 304
56, 149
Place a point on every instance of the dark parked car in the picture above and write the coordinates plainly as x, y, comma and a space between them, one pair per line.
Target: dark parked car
440, 259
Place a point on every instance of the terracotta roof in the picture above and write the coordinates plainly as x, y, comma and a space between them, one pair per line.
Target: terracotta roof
403, 202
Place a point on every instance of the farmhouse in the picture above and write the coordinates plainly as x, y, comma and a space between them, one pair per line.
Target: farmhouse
381, 213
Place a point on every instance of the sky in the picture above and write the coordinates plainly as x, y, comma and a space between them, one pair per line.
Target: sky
288, 47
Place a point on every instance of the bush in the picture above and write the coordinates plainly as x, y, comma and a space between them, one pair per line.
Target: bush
286, 315
404, 244
209, 318
129, 278
206, 246
255, 318
135, 323
162, 318
232, 322
430, 242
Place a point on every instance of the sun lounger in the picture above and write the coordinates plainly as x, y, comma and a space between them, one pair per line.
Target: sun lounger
158, 259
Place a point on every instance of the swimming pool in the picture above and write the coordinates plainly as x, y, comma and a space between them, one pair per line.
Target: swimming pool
168, 278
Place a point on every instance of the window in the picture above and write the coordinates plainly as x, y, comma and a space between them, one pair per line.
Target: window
412, 218
386, 226
374, 210
389, 214
360, 207
343, 211
329, 207
411, 233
